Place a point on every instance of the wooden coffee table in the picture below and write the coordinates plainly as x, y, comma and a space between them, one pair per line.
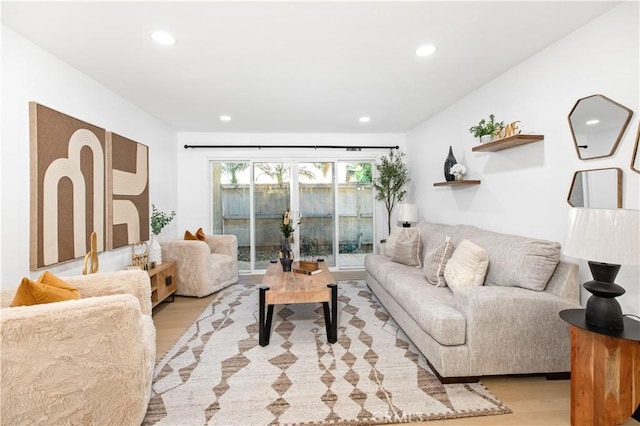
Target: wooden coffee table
280, 287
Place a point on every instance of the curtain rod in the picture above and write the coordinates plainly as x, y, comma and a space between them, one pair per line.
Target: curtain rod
348, 148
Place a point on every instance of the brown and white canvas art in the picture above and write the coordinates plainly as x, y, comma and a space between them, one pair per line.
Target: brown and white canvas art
83, 180
128, 186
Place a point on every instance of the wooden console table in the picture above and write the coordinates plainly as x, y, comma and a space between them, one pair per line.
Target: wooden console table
163, 282
605, 371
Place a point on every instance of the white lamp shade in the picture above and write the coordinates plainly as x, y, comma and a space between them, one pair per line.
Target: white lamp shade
604, 235
408, 213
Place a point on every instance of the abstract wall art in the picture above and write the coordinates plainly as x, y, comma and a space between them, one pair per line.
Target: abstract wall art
128, 186
83, 180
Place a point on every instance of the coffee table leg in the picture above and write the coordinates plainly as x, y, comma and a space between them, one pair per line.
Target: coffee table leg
331, 315
264, 326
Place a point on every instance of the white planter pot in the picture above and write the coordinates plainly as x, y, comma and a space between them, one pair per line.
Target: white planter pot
486, 139
155, 251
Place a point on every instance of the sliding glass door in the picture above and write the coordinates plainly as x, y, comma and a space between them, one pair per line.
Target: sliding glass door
248, 199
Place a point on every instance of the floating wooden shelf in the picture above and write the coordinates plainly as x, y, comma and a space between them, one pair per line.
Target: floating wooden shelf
510, 142
457, 183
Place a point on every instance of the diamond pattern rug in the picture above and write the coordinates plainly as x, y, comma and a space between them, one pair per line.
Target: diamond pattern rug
218, 374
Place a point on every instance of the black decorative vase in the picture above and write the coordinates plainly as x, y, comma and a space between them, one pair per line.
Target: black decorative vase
286, 256
448, 163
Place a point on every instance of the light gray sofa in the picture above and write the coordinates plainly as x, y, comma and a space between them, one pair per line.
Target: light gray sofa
203, 267
495, 329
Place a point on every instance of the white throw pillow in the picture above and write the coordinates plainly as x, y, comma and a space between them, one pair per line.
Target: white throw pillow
390, 246
435, 262
467, 267
408, 248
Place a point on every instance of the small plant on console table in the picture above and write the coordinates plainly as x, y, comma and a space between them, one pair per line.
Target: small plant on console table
160, 219
486, 129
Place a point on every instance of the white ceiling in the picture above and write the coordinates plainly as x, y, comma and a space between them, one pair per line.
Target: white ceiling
295, 66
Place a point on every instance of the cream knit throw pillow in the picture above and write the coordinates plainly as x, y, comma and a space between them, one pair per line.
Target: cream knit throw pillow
467, 267
435, 262
408, 247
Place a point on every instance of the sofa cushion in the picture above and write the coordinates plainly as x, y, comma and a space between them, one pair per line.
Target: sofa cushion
46, 289
435, 261
390, 246
467, 266
432, 308
408, 248
514, 261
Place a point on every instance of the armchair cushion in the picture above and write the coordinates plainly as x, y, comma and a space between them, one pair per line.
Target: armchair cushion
46, 289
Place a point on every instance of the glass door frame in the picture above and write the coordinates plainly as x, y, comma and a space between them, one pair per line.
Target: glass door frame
294, 198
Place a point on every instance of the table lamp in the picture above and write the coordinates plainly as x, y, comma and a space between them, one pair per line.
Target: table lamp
607, 238
407, 213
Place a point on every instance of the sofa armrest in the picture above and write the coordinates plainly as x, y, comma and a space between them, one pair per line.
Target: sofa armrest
74, 362
135, 282
223, 244
523, 322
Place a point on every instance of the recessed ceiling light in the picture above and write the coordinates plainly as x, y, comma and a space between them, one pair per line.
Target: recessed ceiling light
163, 38
365, 119
592, 122
426, 50
225, 118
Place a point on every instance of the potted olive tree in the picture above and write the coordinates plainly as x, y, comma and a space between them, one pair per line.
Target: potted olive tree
390, 183
485, 130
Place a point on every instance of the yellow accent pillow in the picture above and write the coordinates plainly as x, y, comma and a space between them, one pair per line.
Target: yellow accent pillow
199, 235
46, 289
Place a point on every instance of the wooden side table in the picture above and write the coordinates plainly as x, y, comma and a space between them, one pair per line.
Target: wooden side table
605, 371
163, 282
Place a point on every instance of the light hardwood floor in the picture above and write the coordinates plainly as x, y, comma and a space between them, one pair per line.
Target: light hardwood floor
535, 401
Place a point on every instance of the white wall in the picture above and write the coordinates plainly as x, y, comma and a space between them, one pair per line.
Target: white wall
32, 74
193, 164
524, 189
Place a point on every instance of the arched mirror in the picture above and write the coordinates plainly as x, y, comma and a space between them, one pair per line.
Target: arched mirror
597, 125
635, 157
596, 189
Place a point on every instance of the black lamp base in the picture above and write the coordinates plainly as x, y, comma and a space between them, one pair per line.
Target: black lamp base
603, 310
406, 225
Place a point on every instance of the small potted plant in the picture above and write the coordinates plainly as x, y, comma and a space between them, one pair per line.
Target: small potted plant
159, 220
486, 129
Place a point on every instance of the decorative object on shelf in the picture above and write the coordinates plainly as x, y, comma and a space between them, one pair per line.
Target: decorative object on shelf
139, 255
608, 182
508, 130
597, 124
485, 130
607, 238
159, 220
91, 257
390, 183
448, 163
458, 170
407, 214
635, 157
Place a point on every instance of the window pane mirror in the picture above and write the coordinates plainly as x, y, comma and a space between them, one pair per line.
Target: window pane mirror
597, 125
596, 189
635, 157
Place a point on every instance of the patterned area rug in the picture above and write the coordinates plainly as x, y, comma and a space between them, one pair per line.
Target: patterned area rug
218, 374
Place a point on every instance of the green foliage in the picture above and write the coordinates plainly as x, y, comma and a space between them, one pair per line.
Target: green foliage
360, 172
392, 178
160, 219
286, 225
232, 170
485, 127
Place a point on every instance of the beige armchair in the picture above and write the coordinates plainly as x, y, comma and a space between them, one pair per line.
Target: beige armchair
87, 361
203, 267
